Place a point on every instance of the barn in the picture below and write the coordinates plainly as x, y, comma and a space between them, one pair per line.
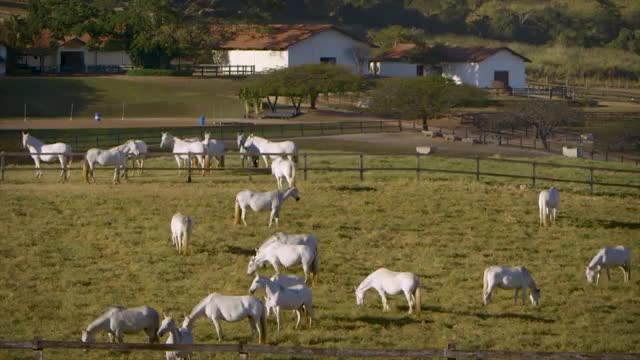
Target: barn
479, 66
72, 54
3, 59
278, 46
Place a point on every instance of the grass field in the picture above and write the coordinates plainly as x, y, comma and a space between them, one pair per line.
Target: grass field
71, 251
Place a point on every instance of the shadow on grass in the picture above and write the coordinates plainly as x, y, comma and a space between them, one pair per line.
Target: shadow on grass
484, 316
239, 250
355, 188
384, 321
606, 224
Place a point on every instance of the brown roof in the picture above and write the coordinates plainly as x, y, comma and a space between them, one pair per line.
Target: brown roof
450, 54
46, 40
272, 37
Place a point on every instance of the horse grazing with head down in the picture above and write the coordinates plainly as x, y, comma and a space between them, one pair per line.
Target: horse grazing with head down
517, 278
285, 255
607, 258
118, 321
387, 282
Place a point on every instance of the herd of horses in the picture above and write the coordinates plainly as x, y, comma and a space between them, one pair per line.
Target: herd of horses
281, 250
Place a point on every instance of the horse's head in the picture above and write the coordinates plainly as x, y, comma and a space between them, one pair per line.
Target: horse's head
359, 296
253, 266
535, 296
207, 136
164, 140
87, 337
132, 148
591, 274
293, 192
166, 326
257, 283
25, 138
241, 138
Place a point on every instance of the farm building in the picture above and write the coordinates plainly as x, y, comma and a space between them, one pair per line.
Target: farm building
479, 66
278, 46
3, 59
71, 54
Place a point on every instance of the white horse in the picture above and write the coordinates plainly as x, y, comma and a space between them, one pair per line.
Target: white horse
184, 147
181, 229
291, 239
115, 156
262, 201
269, 147
548, 203
284, 168
388, 282
38, 151
118, 321
215, 148
517, 278
285, 255
176, 336
231, 308
138, 158
243, 156
607, 258
281, 297
287, 281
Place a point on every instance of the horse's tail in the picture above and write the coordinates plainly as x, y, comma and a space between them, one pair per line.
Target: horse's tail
293, 174
85, 170
263, 326
237, 212
315, 267
416, 298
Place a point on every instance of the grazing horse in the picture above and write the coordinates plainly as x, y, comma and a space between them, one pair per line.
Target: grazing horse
215, 148
287, 281
284, 168
181, 229
176, 336
517, 278
274, 148
182, 148
548, 203
607, 258
281, 297
39, 152
136, 159
115, 156
118, 321
261, 201
231, 308
285, 255
388, 282
296, 239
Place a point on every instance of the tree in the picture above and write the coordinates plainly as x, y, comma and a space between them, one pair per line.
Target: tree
359, 55
421, 97
543, 115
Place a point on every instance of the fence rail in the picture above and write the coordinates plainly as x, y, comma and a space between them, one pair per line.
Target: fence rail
419, 168
37, 346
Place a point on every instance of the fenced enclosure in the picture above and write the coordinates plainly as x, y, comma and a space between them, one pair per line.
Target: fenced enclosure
421, 166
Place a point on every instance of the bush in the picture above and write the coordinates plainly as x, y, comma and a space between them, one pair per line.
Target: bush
159, 72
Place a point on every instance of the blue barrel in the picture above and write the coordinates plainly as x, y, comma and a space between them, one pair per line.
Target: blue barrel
97, 117
202, 120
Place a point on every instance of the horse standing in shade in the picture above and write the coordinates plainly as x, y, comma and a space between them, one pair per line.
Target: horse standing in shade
215, 148
262, 201
115, 156
231, 308
284, 169
285, 298
278, 254
517, 278
548, 203
118, 321
607, 258
176, 336
182, 148
388, 282
270, 147
181, 229
39, 151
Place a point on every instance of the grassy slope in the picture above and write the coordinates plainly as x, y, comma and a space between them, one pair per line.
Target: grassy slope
143, 96
103, 245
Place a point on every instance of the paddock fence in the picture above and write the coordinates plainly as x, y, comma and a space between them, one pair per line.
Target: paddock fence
37, 346
83, 139
419, 164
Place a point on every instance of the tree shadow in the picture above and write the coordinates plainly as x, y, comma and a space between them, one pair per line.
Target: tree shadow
355, 188
239, 250
484, 316
383, 321
607, 224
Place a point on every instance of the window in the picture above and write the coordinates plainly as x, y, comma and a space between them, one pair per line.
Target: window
420, 70
328, 60
501, 77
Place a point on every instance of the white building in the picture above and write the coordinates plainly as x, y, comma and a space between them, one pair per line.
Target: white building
3, 59
478, 66
71, 54
279, 46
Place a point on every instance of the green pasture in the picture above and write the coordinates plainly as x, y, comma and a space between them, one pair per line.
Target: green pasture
72, 250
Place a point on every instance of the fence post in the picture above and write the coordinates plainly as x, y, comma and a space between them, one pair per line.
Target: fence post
37, 349
417, 166
399, 125
591, 179
281, 130
241, 351
521, 141
304, 156
301, 130
380, 122
361, 165
189, 168
361, 129
477, 168
450, 347
533, 174
341, 130
2, 166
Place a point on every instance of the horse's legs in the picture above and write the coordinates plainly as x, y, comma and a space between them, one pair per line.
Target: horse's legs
487, 295
277, 311
408, 295
555, 213
299, 317
216, 324
624, 272
243, 215
112, 338
179, 161
385, 306
628, 266
597, 276
266, 162
273, 213
608, 275
116, 174
524, 295
38, 170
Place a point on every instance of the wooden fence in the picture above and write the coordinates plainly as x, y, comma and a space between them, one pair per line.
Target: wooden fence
419, 169
37, 347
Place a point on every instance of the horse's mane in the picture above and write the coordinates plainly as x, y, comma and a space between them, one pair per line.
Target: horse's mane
35, 140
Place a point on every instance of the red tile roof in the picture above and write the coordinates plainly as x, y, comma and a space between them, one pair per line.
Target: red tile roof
451, 54
271, 37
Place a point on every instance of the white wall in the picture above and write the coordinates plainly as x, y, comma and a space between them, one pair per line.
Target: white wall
107, 58
482, 74
262, 59
3, 65
463, 73
329, 43
396, 69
